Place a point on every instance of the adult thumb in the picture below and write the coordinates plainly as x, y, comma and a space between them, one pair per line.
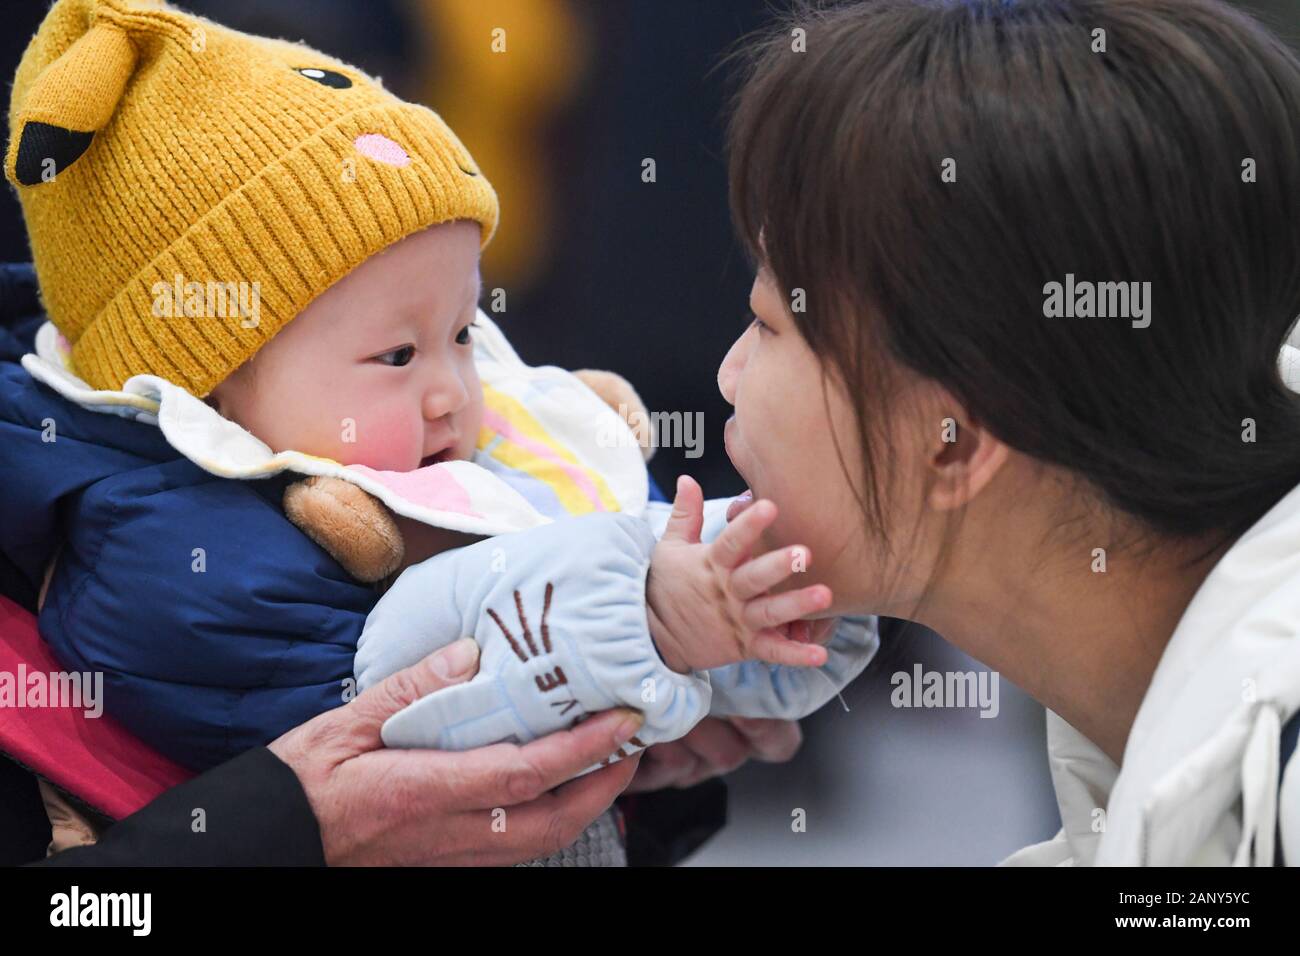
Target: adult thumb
687, 519
453, 664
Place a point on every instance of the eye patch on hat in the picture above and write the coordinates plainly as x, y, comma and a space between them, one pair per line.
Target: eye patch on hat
77, 94
324, 77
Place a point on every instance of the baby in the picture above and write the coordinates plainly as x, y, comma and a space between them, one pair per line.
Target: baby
389, 350
151, 149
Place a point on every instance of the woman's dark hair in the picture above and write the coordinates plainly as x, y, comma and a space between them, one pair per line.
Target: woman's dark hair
1172, 157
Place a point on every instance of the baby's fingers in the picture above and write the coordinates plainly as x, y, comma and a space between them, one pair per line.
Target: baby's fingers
775, 648
738, 538
688, 512
775, 610
767, 571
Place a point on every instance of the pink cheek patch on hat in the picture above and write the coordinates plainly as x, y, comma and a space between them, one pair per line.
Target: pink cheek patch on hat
381, 149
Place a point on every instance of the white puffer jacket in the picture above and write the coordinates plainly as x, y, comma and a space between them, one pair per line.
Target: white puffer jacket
1200, 777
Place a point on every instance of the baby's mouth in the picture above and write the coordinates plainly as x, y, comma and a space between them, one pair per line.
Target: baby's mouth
436, 459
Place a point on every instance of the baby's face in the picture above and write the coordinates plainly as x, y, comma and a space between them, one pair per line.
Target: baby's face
379, 369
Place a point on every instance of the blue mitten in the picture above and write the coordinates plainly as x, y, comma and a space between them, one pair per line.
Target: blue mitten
559, 615
759, 689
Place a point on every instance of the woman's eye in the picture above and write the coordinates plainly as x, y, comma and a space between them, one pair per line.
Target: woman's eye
398, 357
760, 325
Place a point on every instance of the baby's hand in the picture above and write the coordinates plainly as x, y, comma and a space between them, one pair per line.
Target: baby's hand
709, 604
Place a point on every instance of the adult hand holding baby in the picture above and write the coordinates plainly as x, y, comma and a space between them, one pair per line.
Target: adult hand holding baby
383, 806
714, 747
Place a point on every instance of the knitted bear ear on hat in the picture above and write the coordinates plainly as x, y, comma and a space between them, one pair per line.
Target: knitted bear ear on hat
71, 99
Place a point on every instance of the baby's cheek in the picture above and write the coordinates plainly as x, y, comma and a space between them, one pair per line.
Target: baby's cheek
470, 425
385, 442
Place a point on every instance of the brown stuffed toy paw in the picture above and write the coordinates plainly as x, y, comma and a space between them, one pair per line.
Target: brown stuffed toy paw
353, 526
360, 533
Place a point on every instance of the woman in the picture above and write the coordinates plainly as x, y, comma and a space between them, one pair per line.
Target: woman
1033, 265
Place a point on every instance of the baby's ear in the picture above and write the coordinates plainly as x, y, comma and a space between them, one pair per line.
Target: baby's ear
71, 99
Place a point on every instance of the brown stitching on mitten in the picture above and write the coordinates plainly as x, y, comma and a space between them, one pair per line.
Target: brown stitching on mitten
553, 680
523, 623
514, 646
523, 620
546, 609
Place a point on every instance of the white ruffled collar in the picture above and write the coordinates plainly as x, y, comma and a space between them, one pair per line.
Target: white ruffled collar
544, 452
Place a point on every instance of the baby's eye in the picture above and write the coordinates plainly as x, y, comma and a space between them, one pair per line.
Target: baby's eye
397, 357
462, 337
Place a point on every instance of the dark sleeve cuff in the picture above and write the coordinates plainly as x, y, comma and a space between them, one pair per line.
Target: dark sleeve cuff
666, 826
249, 811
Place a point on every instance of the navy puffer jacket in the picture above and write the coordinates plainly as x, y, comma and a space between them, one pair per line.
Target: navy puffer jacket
201, 664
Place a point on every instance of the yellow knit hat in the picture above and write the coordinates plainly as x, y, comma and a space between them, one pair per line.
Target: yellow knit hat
154, 150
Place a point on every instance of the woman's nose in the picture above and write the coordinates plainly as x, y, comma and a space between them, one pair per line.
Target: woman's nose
732, 364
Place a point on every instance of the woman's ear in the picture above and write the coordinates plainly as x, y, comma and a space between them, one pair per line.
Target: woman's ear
964, 460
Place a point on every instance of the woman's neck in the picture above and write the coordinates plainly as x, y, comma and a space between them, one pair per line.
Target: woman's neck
1082, 641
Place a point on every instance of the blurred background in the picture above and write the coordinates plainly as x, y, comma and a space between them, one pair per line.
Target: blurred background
604, 270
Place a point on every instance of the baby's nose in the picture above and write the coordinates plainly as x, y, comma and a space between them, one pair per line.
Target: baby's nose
381, 149
445, 398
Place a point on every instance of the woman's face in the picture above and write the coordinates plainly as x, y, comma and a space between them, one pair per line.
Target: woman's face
790, 413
